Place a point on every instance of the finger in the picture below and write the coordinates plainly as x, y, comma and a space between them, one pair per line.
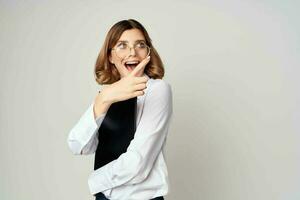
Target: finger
140, 79
140, 66
138, 93
134, 94
140, 86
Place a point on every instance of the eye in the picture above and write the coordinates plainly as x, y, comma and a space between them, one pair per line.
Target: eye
122, 46
141, 45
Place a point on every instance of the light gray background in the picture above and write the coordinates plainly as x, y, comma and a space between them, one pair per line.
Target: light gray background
233, 67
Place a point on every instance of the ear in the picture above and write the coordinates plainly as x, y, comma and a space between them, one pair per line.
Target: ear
110, 59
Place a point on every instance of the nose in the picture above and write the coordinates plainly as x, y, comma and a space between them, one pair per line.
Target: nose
132, 51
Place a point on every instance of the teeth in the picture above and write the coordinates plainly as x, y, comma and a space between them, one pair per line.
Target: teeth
132, 62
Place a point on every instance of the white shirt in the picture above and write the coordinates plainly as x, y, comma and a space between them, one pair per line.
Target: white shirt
141, 172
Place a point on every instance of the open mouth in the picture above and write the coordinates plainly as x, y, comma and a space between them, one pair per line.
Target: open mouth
130, 65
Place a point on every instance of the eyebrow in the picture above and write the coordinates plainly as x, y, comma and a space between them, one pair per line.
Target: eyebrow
134, 42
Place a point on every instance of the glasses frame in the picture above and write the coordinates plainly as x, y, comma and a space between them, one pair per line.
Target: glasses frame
132, 47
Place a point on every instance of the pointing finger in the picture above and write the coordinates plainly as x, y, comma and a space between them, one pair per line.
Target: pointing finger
140, 66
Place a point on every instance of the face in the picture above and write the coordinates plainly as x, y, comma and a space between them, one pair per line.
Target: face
126, 59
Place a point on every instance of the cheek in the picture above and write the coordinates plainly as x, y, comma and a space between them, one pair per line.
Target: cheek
119, 66
117, 60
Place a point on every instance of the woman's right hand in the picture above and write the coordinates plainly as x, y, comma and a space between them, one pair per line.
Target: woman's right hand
127, 87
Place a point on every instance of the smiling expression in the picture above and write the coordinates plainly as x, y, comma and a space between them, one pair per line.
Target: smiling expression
127, 64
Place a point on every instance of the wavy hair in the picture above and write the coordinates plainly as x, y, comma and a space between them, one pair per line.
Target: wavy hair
106, 72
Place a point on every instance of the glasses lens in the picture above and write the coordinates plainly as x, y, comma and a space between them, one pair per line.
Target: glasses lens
141, 49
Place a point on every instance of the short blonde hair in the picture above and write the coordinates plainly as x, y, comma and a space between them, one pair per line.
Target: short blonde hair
106, 73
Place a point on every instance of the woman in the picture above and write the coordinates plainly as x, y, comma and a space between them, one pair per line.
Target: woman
127, 123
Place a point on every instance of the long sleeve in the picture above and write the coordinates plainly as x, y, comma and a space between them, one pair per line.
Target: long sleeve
135, 164
82, 138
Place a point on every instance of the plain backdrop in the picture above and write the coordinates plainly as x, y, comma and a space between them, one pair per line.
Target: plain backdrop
233, 67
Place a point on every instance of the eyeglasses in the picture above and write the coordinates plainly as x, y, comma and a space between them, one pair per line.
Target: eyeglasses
123, 49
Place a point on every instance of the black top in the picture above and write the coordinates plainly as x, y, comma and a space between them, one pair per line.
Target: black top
116, 131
